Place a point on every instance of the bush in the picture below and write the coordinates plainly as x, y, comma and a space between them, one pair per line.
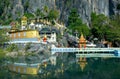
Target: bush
12, 47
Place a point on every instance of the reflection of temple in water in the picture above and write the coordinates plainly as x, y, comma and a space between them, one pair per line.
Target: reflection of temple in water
82, 62
82, 44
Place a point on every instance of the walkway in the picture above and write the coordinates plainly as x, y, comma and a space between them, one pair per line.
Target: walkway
90, 52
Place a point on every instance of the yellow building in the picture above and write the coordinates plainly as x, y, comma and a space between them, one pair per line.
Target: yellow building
24, 36
23, 69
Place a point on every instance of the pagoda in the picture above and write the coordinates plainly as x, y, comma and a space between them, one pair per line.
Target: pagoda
82, 62
82, 42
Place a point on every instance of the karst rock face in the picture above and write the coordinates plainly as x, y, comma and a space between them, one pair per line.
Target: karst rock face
84, 7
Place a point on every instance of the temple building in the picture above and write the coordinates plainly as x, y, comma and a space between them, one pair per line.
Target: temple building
48, 35
34, 25
24, 36
23, 68
82, 44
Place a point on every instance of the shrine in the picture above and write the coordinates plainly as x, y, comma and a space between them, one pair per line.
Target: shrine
82, 42
45, 39
82, 62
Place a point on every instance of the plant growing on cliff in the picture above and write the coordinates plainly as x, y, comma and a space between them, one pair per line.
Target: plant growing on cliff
46, 9
75, 23
53, 15
29, 15
104, 28
39, 13
99, 25
114, 30
26, 6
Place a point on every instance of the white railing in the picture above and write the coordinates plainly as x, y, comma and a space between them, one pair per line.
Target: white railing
54, 50
89, 55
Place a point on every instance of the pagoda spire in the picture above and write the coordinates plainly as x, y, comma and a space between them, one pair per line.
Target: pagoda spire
82, 62
82, 41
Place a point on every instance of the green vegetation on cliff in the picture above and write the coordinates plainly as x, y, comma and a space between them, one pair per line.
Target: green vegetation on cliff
3, 36
75, 23
5, 18
104, 28
53, 14
101, 27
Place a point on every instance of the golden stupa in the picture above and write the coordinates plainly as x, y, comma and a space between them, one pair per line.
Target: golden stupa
82, 63
82, 41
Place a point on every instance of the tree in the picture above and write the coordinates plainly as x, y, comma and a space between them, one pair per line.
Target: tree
26, 6
46, 9
104, 28
3, 36
39, 13
2, 54
118, 6
29, 15
75, 23
99, 25
12, 47
73, 18
53, 15
114, 30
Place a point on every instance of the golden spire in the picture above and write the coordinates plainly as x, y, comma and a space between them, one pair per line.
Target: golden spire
82, 38
82, 63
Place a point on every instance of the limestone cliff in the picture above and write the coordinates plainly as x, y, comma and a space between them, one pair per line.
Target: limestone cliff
84, 7
17, 8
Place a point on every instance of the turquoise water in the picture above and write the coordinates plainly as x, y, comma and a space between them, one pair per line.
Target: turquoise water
96, 68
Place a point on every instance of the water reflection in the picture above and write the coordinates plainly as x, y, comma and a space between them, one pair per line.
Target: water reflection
82, 62
90, 68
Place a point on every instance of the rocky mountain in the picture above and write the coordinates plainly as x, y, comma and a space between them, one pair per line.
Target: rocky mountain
17, 8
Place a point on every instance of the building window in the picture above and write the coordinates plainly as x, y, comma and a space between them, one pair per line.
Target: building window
10, 35
18, 69
24, 33
14, 35
14, 68
19, 34
24, 70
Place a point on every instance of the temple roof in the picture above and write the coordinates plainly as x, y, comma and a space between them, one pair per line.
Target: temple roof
47, 30
82, 63
82, 39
